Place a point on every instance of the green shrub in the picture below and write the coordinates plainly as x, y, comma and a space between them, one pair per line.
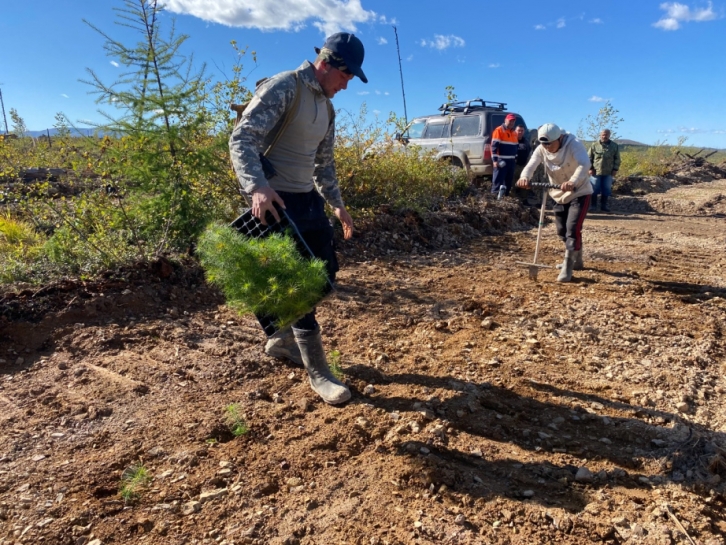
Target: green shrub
267, 277
373, 170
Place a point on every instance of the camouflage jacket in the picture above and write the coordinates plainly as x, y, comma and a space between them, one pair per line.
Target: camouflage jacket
605, 157
260, 122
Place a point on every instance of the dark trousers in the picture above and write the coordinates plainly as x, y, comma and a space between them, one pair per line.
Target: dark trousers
569, 219
503, 176
307, 211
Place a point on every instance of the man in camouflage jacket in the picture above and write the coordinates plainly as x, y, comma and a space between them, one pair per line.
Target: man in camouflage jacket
605, 162
302, 179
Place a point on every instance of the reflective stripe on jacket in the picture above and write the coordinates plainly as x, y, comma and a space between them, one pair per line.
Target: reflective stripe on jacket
505, 143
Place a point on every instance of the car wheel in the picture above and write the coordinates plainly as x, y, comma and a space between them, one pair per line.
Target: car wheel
455, 165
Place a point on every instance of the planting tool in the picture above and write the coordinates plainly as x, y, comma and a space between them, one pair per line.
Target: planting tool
534, 267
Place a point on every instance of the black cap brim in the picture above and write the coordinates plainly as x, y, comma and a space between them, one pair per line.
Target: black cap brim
359, 73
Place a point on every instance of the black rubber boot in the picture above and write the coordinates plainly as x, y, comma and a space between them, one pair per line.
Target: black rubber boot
593, 203
604, 204
566, 272
282, 345
322, 381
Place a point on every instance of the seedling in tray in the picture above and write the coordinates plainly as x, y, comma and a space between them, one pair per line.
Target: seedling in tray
261, 270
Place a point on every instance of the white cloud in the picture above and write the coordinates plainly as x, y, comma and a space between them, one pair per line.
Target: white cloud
114, 63
327, 15
596, 21
382, 41
409, 58
376, 112
561, 23
65, 95
378, 92
364, 92
595, 98
386, 93
443, 42
494, 65
385, 21
676, 13
539, 27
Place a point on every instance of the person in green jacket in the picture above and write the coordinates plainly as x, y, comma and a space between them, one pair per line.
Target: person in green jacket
605, 162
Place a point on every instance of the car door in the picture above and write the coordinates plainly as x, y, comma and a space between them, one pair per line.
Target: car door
465, 139
436, 134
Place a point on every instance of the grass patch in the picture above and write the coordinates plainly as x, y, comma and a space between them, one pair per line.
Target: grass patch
20, 246
235, 420
134, 481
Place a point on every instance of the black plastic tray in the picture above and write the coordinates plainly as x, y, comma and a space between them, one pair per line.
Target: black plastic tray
250, 226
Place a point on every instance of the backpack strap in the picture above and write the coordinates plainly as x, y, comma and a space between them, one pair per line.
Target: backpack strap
292, 110
240, 108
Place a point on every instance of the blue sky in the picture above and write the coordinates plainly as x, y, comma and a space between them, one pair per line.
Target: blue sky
660, 63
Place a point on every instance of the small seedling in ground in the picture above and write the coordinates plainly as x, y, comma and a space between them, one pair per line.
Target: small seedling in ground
235, 420
133, 482
334, 364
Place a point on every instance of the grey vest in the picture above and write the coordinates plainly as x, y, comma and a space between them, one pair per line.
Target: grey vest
294, 154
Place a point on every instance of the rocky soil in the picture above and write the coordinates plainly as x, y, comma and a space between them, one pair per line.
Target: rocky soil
487, 407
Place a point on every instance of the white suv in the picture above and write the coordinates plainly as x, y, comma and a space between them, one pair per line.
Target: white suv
461, 133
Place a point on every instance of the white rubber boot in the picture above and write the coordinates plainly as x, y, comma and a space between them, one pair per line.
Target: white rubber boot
322, 381
566, 273
578, 265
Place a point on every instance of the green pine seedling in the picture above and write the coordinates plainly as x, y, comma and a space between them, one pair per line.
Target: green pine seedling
334, 364
266, 277
133, 482
235, 420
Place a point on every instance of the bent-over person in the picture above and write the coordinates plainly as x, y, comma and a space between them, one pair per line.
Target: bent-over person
566, 163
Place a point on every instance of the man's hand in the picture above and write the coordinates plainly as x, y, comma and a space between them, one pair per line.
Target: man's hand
523, 183
262, 200
346, 221
592, 172
613, 172
568, 186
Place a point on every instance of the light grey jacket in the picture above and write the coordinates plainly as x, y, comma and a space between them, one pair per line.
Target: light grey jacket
303, 157
570, 163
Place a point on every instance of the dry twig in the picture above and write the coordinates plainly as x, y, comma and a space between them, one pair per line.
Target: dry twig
678, 523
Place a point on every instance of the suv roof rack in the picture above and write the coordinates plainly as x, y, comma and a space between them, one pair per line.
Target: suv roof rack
467, 106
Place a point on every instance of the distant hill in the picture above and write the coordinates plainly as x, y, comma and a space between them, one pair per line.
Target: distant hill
621, 141
54, 132
626, 142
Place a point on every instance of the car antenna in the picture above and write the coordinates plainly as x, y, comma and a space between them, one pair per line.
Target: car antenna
400, 69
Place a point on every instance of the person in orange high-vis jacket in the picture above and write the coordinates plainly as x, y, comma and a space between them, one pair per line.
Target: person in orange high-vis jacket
505, 145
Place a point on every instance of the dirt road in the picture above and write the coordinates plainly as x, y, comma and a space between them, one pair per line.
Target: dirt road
487, 408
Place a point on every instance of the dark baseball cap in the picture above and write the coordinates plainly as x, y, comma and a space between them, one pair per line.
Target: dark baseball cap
345, 52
